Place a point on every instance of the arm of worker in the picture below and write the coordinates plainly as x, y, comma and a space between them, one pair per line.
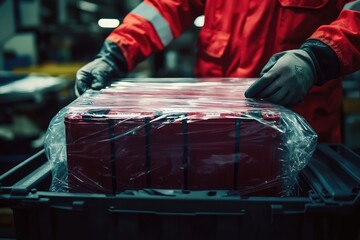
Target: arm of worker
148, 28
333, 50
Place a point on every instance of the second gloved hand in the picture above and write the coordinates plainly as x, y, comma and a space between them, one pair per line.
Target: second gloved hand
285, 79
109, 64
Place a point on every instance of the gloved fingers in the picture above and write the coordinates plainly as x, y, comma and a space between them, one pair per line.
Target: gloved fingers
268, 66
272, 61
290, 99
281, 93
271, 89
255, 90
83, 80
93, 75
100, 80
102, 74
77, 93
277, 96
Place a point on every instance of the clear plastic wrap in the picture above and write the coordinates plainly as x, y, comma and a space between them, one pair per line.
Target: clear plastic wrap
194, 134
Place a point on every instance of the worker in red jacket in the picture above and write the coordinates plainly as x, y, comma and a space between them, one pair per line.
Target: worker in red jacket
310, 44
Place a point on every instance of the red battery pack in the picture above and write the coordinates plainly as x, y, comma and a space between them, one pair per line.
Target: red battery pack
109, 151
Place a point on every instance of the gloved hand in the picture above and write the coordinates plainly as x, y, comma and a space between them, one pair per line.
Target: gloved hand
109, 64
285, 79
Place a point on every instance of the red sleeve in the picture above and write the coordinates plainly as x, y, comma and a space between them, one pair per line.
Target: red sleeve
152, 25
343, 36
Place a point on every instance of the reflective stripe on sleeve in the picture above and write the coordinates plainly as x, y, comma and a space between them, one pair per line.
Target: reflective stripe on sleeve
160, 24
355, 5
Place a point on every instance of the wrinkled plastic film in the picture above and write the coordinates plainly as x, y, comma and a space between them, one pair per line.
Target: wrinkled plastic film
192, 134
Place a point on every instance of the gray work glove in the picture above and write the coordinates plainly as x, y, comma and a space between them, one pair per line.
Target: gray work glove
97, 74
285, 79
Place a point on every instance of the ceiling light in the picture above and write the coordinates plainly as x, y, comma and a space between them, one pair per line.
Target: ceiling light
108, 22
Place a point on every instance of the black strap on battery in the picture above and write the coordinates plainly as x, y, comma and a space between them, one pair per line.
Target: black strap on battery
111, 123
237, 152
147, 152
185, 152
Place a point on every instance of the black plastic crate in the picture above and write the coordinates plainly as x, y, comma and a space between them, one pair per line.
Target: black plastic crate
327, 206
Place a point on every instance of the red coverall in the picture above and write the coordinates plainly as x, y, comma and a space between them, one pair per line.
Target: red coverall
239, 37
